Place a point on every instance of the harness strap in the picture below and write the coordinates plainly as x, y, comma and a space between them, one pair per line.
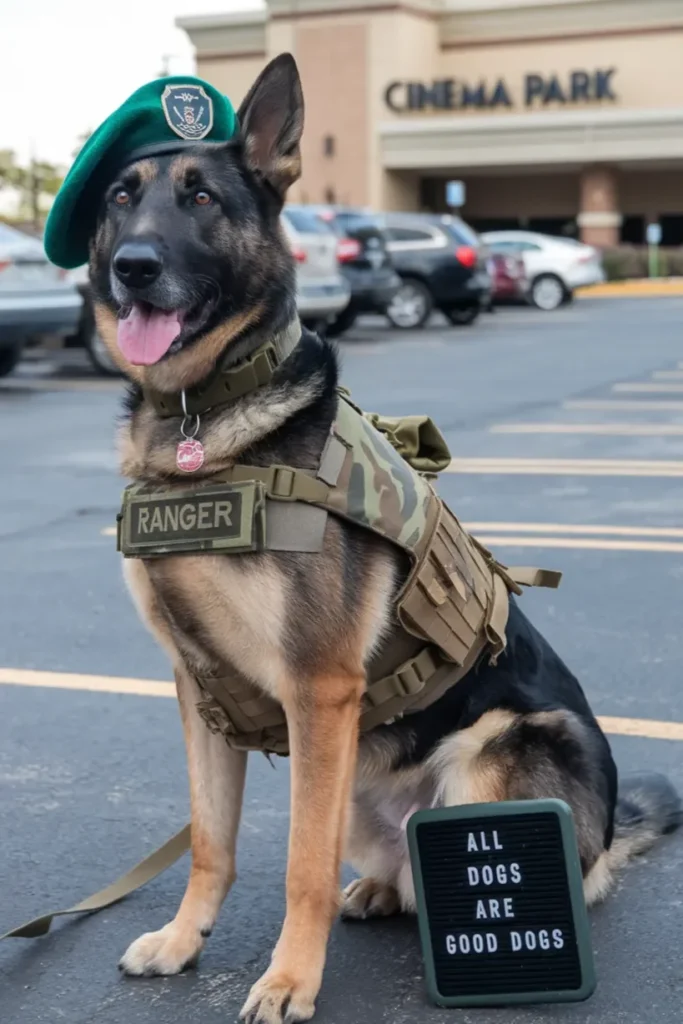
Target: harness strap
144, 872
282, 483
529, 576
408, 680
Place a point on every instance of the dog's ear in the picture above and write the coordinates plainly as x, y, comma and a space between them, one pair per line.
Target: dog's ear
271, 122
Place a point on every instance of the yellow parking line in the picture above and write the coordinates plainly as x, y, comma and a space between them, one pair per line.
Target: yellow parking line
624, 405
572, 528
610, 429
96, 684
582, 544
644, 727
640, 386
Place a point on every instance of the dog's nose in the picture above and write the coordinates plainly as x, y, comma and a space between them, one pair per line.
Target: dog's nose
137, 264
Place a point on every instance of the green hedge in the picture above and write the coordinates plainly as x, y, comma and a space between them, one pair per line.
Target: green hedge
628, 261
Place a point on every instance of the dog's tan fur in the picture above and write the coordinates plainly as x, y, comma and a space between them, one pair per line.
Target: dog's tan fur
188, 367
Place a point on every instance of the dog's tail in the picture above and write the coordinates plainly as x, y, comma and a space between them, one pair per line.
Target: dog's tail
648, 807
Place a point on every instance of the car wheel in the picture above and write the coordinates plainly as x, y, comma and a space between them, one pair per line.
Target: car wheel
9, 357
460, 316
411, 306
547, 292
341, 323
99, 353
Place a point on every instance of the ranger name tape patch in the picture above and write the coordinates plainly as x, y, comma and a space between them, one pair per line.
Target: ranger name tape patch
500, 904
218, 518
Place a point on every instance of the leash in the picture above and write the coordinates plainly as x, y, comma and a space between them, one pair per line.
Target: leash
144, 872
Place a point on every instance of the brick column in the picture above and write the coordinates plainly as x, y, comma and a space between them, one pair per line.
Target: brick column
599, 219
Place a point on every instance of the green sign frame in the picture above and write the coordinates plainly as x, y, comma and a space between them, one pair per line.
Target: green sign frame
473, 813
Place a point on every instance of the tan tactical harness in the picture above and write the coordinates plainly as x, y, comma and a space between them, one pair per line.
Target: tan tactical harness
374, 471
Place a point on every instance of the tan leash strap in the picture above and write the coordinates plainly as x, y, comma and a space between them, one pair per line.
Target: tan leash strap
144, 872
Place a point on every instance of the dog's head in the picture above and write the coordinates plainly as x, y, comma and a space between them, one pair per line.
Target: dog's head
189, 254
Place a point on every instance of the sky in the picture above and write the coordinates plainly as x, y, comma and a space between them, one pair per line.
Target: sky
65, 65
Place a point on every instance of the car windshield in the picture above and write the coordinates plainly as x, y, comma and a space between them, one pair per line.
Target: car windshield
356, 222
306, 222
461, 232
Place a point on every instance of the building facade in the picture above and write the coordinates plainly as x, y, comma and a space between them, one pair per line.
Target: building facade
558, 115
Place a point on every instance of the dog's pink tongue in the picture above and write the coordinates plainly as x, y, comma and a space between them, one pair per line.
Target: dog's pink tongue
147, 334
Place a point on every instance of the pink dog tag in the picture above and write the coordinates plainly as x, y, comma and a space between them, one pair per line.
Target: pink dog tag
189, 456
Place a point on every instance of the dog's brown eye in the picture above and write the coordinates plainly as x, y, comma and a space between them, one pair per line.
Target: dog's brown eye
121, 197
202, 198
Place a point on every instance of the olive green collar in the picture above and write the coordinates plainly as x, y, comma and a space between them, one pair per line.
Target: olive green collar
229, 382
222, 388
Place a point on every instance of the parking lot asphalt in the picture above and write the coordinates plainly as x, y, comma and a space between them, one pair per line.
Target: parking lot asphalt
566, 431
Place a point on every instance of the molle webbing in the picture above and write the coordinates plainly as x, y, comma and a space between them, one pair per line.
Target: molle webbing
451, 611
250, 720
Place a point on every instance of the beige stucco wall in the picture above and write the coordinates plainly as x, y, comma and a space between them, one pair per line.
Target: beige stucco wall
333, 63
648, 69
347, 57
409, 42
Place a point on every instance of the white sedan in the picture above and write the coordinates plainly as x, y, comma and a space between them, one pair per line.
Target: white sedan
554, 266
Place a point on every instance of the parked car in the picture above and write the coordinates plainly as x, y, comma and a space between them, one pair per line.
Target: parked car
322, 291
363, 260
509, 281
87, 336
442, 265
554, 266
36, 298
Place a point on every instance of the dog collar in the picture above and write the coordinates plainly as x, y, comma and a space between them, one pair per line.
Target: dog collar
221, 389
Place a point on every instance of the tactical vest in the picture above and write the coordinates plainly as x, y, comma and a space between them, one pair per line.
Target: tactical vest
376, 472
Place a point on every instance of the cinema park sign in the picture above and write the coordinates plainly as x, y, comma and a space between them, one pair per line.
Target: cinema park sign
536, 91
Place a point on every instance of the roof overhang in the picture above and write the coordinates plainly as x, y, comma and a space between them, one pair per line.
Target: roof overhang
570, 138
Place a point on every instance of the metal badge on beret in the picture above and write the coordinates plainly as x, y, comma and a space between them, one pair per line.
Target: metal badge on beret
188, 111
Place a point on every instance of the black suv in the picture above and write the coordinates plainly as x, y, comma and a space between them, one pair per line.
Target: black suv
442, 264
364, 262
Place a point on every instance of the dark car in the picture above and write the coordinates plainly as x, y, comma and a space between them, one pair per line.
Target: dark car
442, 264
363, 260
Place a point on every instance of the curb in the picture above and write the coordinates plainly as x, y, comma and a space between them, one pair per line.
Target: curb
637, 287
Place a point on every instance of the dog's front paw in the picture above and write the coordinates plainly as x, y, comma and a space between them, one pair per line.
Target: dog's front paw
168, 951
277, 998
366, 897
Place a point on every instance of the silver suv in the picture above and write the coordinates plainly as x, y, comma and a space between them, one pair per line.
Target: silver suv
322, 292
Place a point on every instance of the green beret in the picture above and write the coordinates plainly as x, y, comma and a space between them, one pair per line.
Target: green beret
164, 116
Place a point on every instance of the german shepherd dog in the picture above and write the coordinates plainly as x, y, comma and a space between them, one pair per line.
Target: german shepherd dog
188, 267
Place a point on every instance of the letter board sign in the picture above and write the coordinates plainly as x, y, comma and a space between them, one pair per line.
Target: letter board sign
500, 904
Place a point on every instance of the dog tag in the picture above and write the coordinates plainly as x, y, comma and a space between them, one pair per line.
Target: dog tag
189, 456
500, 901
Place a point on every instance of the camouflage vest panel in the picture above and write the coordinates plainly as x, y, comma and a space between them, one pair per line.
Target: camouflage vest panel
451, 611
